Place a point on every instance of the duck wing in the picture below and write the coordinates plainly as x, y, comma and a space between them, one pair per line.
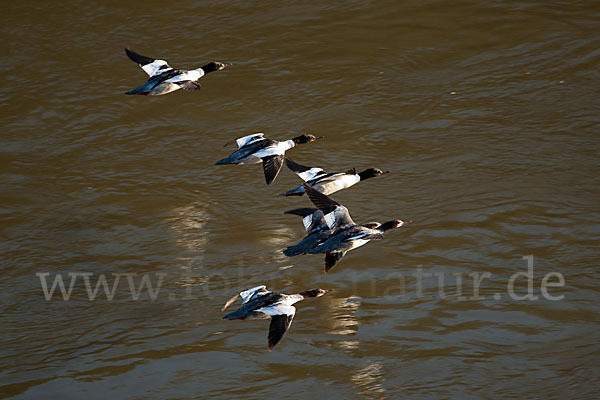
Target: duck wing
247, 295
272, 165
332, 258
302, 212
281, 319
336, 215
277, 328
246, 150
312, 219
150, 66
241, 142
304, 172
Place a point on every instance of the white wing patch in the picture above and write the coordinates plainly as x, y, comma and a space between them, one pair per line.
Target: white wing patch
310, 174
154, 68
330, 219
338, 215
247, 295
307, 221
241, 142
278, 309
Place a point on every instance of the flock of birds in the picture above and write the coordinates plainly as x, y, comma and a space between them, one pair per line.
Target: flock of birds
329, 228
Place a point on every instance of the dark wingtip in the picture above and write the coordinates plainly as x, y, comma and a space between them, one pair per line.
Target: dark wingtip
302, 211
291, 193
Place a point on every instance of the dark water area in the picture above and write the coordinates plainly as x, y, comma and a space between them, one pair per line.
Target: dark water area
487, 114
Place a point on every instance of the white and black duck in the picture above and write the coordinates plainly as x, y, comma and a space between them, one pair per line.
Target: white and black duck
328, 183
164, 79
317, 230
346, 235
257, 148
259, 302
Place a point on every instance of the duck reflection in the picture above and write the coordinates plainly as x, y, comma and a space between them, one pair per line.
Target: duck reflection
343, 318
369, 380
188, 224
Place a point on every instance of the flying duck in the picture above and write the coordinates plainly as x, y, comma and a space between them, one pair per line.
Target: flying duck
255, 148
164, 79
259, 302
347, 235
328, 183
317, 230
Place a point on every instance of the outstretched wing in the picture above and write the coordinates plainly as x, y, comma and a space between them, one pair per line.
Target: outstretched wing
150, 66
241, 142
277, 328
312, 218
246, 295
304, 172
281, 319
302, 212
336, 215
272, 165
332, 258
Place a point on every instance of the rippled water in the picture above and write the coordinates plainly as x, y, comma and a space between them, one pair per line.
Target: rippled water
486, 112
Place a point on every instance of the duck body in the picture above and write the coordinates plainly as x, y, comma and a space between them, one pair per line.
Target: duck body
256, 148
260, 303
345, 234
165, 79
327, 183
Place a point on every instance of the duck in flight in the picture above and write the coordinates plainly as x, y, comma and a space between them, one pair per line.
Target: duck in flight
328, 183
164, 79
317, 230
257, 148
259, 302
346, 234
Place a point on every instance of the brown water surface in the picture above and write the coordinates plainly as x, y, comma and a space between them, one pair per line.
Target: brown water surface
486, 112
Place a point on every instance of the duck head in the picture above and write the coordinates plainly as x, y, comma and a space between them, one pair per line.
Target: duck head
396, 223
306, 138
214, 66
315, 292
371, 173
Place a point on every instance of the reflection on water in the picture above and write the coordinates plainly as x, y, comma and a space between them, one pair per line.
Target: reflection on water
344, 321
369, 380
486, 114
188, 225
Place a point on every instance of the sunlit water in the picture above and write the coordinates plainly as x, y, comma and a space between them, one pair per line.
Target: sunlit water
487, 114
